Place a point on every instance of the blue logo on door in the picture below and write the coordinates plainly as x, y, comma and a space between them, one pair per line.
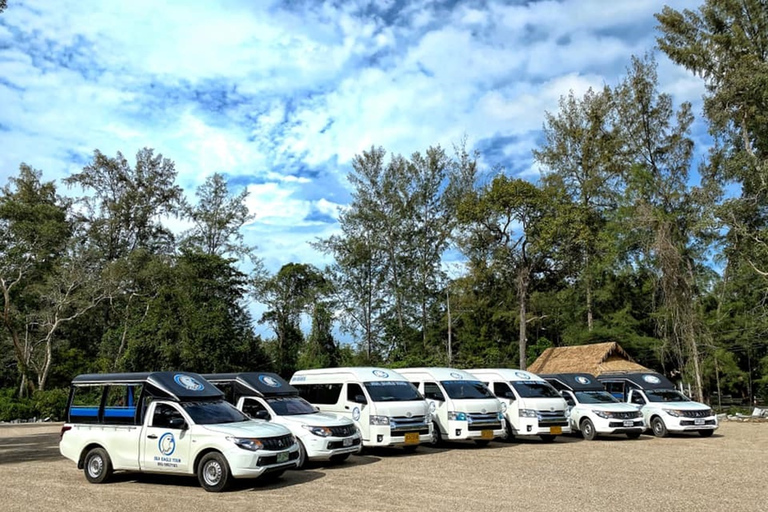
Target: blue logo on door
167, 444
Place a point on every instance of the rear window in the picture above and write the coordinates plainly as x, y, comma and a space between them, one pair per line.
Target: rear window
319, 393
118, 408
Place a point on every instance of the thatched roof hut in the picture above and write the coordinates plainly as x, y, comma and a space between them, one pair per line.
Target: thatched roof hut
595, 359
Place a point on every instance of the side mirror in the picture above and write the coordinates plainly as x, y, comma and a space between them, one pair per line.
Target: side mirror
510, 395
177, 423
261, 414
360, 399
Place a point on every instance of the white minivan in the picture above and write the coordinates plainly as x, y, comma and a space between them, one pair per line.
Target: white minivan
534, 407
464, 407
266, 396
384, 405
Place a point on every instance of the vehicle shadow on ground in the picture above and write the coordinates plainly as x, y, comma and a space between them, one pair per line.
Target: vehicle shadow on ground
289, 478
29, 448
352, 461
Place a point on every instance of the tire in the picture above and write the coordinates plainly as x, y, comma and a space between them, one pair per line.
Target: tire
302, 460
437, 438
213, 472
510, 437
658, 427
706, 433
97, 466
339, 458
482, 442
634, 435
587, 429
547, 438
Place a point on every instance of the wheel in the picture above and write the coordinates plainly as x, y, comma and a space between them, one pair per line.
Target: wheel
302, 455
482, 442
213, 472
706, 433
510, 433
339, 458
588, 429
437, 437
547, 438
97, 466
658, 427
410, 448
633, 435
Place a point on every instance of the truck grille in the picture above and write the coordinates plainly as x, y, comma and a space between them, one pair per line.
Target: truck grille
689, 423
702, 413
552, 419
268, 460
343, 431
487, 421
624, 415
413, 424
277, 443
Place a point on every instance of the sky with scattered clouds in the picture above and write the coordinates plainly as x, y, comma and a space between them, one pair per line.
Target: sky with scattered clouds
279, 96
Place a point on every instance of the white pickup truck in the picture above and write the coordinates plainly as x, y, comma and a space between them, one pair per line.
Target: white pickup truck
267, 396
172, 423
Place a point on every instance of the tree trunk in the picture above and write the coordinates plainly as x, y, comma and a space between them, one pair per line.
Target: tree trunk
522, 295
450, 332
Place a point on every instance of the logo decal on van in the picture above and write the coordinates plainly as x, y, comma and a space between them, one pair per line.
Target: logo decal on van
187, 382
582, 380
651, 379
167, 444
382, 374
356, 413
269, 381
456, 375
523, 375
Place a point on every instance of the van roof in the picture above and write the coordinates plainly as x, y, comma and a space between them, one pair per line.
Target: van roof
574, 381
263, 384
438, 373
179, 386
645, 380
346, 374
506, 374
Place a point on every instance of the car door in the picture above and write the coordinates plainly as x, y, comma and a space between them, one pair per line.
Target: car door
574, 411
434, 395
356, 403
167, 440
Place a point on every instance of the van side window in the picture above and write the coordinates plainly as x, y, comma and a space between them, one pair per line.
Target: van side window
164, 415
120, 404
502, 390
319, 393
355, 392
432, 391
85, 405
637, 398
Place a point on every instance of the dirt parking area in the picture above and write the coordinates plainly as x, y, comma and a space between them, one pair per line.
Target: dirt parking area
728, 471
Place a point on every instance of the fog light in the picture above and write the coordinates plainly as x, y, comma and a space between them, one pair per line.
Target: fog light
458, 432
530, 428
380, 438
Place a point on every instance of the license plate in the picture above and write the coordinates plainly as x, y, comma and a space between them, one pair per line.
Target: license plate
347, 441
486, 434
282, 457
629, 423
411, 438
555, 430
698, 422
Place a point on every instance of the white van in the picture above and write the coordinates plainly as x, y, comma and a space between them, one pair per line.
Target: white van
384, 405
534, 407
266, 396
464, 407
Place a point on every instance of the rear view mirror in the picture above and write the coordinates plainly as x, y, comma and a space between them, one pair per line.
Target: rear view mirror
510, 395
261, 414
360, 399
177, 423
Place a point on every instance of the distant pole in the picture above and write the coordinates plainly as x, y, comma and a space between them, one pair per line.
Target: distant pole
450, 347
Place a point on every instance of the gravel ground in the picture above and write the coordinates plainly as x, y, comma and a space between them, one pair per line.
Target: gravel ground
725, 472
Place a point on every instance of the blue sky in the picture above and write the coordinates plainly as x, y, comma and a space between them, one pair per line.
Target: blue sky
280, 96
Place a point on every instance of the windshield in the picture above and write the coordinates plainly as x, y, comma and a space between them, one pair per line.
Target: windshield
665, 395
392, 391
595, 397
466, 389
213, 413
290, 406
535, 389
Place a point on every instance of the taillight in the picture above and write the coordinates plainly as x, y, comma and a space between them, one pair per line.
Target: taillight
64, 428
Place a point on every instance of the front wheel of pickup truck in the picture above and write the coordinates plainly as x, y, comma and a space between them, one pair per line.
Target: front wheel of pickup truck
658, 427
97, 466
213, 472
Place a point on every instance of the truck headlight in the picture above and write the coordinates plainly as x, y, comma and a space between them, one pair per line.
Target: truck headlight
247, 443
318, 431
457, 416
379, 420
528, 413
673, 412
602, 414
639, 414
500, 416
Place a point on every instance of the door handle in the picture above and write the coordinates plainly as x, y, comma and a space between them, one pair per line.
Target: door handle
346, 407
151, 436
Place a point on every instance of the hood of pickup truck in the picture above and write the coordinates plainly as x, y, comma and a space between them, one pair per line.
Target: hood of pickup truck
250, 428
320, 419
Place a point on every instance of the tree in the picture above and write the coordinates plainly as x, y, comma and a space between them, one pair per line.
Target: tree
218, 217
3, 5
35, 230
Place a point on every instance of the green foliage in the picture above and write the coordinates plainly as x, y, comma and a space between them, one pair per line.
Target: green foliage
49, 404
